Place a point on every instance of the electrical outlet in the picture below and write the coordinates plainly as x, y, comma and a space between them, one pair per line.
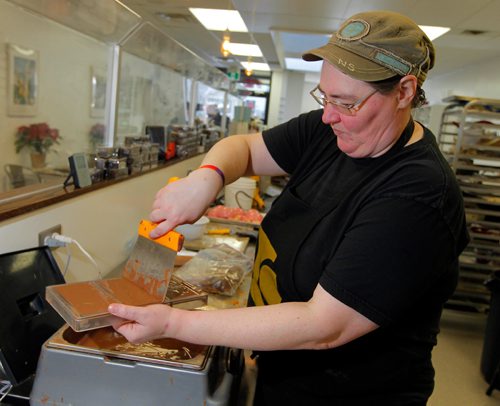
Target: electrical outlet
47, 233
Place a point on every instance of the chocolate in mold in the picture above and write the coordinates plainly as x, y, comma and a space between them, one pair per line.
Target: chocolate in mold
107, 340
93, 297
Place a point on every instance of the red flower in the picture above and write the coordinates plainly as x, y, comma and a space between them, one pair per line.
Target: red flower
33, 132
38, 137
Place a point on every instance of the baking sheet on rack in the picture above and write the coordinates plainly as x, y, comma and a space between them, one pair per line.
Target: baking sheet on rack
487, 162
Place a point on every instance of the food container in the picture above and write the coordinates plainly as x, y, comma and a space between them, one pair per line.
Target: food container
193, 231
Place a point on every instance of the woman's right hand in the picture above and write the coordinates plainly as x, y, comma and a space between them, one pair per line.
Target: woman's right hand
184, 201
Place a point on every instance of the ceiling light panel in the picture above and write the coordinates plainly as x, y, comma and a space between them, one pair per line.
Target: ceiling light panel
256, 66
298, 43
244, 49
434, 32
219, 20
300, 65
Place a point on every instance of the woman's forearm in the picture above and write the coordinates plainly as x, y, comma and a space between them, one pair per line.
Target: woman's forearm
323, 322
242, 155
283, 326
231, 155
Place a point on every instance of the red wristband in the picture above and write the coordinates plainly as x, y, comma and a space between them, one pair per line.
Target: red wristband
216, 169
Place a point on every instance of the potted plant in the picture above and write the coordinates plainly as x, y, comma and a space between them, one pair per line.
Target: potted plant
39, 139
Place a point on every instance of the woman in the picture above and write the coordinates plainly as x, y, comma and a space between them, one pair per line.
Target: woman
357, 256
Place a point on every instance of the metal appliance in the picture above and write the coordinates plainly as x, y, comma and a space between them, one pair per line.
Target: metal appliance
28, 320
99, 367
71, 369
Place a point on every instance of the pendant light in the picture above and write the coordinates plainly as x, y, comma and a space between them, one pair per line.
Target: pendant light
226, 38
224, 46
248, 69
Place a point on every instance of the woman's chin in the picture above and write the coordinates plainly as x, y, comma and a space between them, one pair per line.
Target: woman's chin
348, 148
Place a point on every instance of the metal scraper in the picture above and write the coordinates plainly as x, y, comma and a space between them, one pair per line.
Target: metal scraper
151, 262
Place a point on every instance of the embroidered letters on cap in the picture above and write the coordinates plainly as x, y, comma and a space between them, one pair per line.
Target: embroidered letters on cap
346, 64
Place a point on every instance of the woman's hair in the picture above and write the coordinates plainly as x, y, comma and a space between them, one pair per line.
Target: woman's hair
388, 85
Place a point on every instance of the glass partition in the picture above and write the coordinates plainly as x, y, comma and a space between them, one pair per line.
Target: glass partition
105, 20
64, 84
210, 104
162, 75
152, 45
76, 70
149, 95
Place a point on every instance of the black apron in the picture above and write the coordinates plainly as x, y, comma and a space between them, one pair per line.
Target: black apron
300, 377
291, 222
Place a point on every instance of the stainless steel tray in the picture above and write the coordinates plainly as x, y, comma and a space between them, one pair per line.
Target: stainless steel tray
108, 343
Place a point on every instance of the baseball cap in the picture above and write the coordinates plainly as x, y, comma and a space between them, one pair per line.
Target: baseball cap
378, 45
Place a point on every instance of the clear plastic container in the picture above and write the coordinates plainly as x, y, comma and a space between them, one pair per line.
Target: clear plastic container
84, 305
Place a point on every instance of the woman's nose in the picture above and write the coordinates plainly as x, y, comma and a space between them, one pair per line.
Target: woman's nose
330, 115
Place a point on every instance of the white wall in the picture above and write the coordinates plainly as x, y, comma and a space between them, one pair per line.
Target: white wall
294, 94
276, 99
311, 80
290, 95
104, 222
478, 80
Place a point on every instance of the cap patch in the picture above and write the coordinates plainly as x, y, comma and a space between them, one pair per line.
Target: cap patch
397, 65
354, 29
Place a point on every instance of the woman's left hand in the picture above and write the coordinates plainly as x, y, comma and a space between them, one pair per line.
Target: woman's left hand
139, 324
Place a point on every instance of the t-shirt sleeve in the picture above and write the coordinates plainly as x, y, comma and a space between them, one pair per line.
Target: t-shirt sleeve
388, 260
287, 142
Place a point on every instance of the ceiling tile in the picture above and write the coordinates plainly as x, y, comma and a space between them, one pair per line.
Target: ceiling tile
287, 27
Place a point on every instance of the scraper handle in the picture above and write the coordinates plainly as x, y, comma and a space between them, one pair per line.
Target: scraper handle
172, 239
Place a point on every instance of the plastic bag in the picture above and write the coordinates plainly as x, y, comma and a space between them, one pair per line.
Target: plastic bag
219, 269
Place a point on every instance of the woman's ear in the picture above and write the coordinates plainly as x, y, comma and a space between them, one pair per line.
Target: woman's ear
407, 90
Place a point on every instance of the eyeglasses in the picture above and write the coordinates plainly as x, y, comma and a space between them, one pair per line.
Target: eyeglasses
349, 109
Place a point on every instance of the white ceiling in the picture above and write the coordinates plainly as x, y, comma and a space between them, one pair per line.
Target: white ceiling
287, 28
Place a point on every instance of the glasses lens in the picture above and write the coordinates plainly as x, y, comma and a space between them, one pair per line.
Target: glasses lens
337, 106
319, 97
340, 108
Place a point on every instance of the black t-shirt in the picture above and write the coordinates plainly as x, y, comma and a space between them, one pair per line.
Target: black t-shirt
383, 236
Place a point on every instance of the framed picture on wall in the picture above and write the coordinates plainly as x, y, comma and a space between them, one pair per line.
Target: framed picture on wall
98, 92
22, 92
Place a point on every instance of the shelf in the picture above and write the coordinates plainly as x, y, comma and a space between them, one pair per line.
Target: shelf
470, 136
